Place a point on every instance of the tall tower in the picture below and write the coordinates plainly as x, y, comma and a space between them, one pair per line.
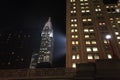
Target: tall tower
46, 47
89, 32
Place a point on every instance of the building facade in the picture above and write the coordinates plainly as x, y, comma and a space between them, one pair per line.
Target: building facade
92, 31
46, 47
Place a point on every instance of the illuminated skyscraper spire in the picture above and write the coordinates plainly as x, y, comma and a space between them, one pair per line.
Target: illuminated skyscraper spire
46, 46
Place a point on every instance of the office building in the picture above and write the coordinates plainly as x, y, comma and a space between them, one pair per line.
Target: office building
46, 47
92, 31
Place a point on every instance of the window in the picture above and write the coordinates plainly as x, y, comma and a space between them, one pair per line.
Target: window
96, 57
74, 65
73, 57
78, 56
73, 42
87, 42
116, 33
95, 49
88, 49
85, 30
109, 56
118, 22
87, 36
72, 30
93, 42
91, 30
118, 37
90, 56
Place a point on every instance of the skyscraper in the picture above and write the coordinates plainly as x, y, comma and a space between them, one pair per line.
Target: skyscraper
46, 47
92, 31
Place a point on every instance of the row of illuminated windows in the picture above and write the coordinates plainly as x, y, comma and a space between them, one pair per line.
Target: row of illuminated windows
90, 56
91, 49
74, 30
74, 36
89, 36
87, 42
73, 11
75, 42
84, 7
84, 20
102, 23
73, 25
83, 0
97, 9
75, 57
89, 30
72, 0
82, 4
85, 11
90, 42
73, 20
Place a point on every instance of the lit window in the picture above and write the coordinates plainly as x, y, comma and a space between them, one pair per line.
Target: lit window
119, 42
74, 7
73, 42
82, 4
96, 57
83, 11
91, 30
109, 56
107, 6
85, 30
81, 0
87, 42
89, 19
113, 25
72, 25
76, 30
73, 57
93, 42
118, 22
86, 3
105, 41
76, 42
82, 7
118, 37
74, 65
76, 36
85, 0
87, 36
75, 25
88, 49
78, 56
84, 20
87, 10
116, 33
72, 30
95, 49
111, 18
73, 36
90, 56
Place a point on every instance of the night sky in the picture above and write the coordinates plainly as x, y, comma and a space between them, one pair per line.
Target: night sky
33, 14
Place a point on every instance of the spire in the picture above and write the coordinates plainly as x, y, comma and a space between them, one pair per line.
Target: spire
49, 20
48, 24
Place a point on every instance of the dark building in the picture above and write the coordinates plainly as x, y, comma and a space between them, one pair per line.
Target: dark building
92, 31
15, 48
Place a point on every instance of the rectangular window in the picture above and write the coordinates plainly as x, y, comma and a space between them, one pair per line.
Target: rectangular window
90, 56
